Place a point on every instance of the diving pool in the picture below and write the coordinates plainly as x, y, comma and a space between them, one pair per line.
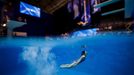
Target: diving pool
108, 54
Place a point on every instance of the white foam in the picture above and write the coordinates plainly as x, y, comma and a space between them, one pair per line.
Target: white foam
40, 60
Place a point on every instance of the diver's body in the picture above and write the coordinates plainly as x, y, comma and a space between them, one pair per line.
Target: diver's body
76, 62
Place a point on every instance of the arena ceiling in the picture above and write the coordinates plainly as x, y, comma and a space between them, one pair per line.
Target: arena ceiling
48, 6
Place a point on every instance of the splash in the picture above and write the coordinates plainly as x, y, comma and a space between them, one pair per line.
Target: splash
40, 60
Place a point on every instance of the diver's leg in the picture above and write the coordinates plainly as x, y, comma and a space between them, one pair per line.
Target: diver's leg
64, 65
69, 65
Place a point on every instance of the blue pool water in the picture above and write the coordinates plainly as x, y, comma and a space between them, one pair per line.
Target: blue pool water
108, 54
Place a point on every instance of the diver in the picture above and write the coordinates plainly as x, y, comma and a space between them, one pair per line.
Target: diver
76, 62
